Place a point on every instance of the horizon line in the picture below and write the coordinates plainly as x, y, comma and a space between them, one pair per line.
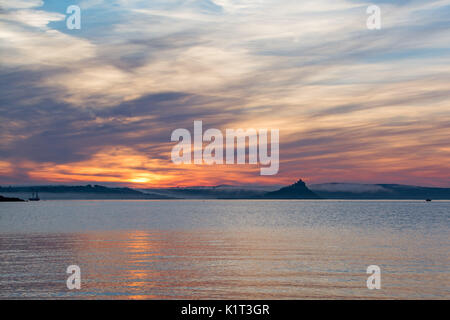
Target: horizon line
120, 185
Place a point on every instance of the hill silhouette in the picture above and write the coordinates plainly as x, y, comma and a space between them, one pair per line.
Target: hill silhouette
6, 199
298, 190
87, 192
355, 191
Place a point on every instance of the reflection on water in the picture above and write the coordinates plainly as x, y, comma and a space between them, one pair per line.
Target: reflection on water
229, 250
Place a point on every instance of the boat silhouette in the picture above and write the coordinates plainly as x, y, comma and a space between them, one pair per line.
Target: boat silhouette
34, 197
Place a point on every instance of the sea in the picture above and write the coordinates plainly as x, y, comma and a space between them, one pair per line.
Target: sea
224, 249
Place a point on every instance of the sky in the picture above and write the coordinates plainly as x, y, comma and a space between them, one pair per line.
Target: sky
99, 104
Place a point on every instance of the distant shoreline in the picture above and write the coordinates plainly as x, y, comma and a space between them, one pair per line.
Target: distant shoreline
7, 199
298, 191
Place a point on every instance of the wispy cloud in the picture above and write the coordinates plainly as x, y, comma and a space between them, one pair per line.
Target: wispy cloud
374, 104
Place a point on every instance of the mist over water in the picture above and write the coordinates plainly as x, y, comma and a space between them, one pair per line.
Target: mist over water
225, 249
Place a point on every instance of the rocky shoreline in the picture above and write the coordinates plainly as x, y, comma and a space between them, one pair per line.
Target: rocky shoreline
5, 199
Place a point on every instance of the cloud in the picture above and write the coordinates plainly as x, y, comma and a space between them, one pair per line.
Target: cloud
20, 4
345, 98
349, 187
32, 18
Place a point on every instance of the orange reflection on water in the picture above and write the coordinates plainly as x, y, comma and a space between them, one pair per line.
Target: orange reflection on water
240, 263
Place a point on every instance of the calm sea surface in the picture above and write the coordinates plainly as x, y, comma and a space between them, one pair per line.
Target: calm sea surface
225, 249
